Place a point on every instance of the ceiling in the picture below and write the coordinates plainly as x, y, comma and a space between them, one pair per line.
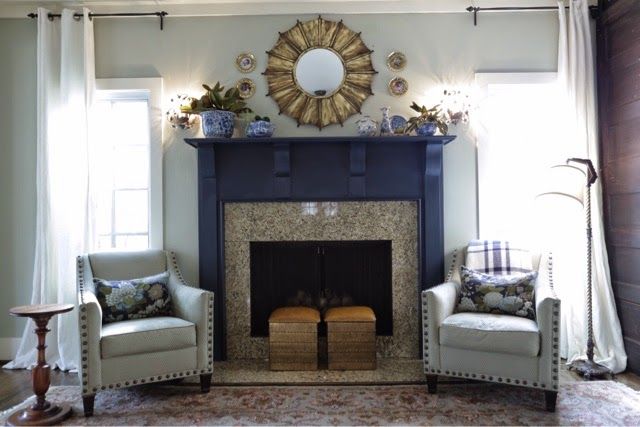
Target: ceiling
19, 8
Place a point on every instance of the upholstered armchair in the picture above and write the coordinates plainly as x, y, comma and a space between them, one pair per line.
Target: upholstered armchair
493, 347
131, 352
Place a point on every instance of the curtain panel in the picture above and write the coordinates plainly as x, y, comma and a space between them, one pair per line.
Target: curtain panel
576, 77
65, 88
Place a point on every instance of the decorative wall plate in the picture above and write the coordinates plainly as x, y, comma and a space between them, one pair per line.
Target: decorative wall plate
246, 62
319, 72
246, 87
398, 86
398, 124
396, 61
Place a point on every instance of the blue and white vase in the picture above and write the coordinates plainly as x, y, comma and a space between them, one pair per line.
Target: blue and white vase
426, 129
217, 123
367, 126
385, 125
259, 129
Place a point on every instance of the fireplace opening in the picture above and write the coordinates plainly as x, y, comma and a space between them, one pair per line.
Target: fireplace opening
320, 274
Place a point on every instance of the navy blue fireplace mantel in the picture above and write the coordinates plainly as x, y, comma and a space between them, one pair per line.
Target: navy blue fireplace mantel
316, 169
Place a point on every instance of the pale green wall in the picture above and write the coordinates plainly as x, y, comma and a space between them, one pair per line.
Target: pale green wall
441, 48
17, 167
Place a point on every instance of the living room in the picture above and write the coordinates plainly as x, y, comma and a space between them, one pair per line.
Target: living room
361, 212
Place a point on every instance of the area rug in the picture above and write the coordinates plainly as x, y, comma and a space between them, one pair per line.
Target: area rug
583, 403
256, 372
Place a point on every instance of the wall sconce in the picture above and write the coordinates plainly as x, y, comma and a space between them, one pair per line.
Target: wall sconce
456, 105
178, 119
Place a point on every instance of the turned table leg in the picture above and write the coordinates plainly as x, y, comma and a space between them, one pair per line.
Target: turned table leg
41, 412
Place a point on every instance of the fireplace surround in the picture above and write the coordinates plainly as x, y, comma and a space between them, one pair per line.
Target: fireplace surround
390, 228
332, 169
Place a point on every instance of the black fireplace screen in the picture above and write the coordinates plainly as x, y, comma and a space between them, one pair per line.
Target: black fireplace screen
321, 274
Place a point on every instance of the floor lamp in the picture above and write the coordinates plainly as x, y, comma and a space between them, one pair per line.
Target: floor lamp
569, 180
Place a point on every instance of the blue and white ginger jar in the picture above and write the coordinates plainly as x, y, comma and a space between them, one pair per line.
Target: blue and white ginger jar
367, 126
217, 123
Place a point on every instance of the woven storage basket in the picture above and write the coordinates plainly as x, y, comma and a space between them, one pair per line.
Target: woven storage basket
351, 338
293, 339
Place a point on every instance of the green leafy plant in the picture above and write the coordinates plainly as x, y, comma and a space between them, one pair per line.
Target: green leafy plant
263, 119
217, 99
427, 115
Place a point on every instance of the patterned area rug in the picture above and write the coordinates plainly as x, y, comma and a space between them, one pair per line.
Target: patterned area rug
583, 403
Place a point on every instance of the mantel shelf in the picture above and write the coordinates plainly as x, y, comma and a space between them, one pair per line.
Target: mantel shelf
203, 142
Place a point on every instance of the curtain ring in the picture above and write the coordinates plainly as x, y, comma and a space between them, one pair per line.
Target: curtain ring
77, 17
50, 16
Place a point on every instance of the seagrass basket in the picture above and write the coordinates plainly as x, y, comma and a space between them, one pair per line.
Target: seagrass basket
351, 338
293, 339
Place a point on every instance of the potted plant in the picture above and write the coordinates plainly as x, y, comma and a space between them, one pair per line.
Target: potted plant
260, 127
217, 110
428, 121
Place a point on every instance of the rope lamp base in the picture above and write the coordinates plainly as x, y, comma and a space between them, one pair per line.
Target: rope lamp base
589, 369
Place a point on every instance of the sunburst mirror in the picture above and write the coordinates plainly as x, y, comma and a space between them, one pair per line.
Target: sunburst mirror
319, 72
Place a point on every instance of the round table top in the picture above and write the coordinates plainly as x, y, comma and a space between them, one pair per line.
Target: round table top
40, 309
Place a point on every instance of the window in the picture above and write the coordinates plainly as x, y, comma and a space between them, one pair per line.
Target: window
520, 134
126, 164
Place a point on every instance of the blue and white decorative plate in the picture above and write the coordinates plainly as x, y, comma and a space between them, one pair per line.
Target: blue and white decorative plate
398, 124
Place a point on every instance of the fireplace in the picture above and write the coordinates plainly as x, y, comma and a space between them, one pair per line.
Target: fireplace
277, 174
320, 274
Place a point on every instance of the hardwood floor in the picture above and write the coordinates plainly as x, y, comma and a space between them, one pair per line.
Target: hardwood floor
15, 386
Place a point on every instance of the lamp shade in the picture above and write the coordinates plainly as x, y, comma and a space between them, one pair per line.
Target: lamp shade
564, 180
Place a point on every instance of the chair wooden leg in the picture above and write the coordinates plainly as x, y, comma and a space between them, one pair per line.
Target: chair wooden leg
87, 403
432, 384
550, 398
205, 383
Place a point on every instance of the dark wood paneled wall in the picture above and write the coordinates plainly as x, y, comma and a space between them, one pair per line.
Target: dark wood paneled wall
618, 61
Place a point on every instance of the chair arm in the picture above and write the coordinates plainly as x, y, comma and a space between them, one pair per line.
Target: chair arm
196, 306
438, 303
90, 323
548, 319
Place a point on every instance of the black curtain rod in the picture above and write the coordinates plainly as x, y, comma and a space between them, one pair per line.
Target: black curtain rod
161, 15
592, 9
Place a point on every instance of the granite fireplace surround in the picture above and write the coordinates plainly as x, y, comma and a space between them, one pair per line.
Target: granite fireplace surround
382, 188
294, 221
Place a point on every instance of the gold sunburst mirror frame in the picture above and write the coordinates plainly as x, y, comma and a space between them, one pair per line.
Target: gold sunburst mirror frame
319, 107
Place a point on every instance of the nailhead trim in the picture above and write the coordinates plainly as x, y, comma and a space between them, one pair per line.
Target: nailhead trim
84, 344
176, 269
453, 263
425, 334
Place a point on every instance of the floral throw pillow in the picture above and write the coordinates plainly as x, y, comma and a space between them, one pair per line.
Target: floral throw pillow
134, 299
484, 293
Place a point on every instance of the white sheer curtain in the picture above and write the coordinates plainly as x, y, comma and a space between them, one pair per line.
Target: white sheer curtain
576, 76
65, 86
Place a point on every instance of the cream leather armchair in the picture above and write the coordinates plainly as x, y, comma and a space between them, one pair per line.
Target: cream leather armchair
132, 352
492, 347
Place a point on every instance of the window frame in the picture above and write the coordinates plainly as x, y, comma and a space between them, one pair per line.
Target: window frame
149, 89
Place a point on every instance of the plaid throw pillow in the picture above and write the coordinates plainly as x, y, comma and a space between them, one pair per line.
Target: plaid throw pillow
483, 293
134, 299
497, 257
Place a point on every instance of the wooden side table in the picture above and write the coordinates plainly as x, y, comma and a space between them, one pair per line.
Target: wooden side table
41, 412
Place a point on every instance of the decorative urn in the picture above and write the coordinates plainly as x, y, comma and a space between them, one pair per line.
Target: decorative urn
367, 126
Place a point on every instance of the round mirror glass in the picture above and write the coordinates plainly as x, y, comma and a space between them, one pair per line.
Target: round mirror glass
319, 72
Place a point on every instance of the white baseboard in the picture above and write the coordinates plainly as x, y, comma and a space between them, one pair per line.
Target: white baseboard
8, 348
